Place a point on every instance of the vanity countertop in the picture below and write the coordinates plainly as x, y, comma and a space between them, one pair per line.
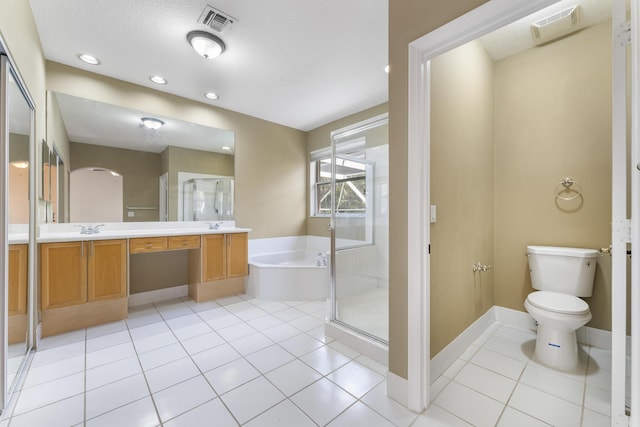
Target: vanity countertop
49, 233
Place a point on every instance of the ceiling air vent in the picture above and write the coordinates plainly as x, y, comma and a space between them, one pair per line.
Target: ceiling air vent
216, 20
557, 25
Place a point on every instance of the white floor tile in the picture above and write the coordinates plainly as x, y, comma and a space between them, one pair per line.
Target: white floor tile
251, 399
50, 392
438, 385
378, 400
251, 343
111, 354
182, 397
512, 417
356, 378
598, 377
269, 358
283, 414
184, 321
549, 381
486, 382
56, 354
598, 400
161, 356
149, 330
318, 333
63, 339
192, 331
108, 340
170, 374
52, 371
202, 342
454, 368
115, 395
64, 413
144, 345
301, 344
435, 416
281, 332
106, 329
594, 419
288, 314
545, 407
207, 412
498, 363
514, 349
236, 331
347, 351
140, 413
306, 323
220, 319
325, 359
360, 414
231, 375
322, 401
473, 407
112, 372
214, 357
600, 358
293, 377
265, 322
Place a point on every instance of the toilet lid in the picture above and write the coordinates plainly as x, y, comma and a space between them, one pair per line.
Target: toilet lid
559, 303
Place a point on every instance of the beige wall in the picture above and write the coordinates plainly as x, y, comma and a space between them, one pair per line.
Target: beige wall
193, 161
321, 138
553, 119
462, 166
139, 169
270, 160
408, 20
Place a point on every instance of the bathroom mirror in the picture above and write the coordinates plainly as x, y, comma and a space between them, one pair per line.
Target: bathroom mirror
104, 138
16, 137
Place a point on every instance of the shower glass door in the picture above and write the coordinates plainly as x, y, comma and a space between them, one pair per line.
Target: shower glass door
360, 223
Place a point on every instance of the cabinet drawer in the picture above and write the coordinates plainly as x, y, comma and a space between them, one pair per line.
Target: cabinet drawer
141, 245
184, 242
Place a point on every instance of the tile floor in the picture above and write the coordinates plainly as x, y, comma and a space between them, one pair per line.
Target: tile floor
248, 362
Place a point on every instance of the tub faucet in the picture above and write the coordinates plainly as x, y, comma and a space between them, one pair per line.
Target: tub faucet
321, 259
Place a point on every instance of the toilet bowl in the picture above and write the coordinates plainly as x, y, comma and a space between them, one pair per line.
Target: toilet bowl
558, 317
561, 275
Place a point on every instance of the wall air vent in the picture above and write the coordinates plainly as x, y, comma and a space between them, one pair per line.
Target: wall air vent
557, 25
216, 20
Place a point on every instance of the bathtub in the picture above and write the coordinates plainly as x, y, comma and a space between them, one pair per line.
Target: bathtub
288, 269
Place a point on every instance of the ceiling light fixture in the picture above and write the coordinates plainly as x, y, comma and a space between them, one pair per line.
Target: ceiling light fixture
151, 123
211, 95
205, 44
88, 59
158, 80
20, 165
225, 148
387, 69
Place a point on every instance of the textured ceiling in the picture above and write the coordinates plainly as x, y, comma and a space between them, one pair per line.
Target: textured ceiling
298, 63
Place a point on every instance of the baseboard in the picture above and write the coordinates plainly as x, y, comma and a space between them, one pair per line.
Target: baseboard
158, 295
398, 388
441, 361
369, 347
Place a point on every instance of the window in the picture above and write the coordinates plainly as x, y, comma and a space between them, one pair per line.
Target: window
351, 184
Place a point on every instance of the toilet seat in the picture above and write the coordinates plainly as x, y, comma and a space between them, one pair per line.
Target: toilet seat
558, 303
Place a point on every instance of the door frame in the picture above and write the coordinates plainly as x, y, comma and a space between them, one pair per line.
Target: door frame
482, 20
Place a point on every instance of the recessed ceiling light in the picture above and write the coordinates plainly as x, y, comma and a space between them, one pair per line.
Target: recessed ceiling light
226, 148
205, 44
88, 59
158, 80
386, 69
151, 123
211, 95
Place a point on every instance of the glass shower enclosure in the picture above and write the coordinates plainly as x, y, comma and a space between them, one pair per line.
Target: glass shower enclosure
208, 199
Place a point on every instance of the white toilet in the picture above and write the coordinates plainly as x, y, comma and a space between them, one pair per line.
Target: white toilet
561, 275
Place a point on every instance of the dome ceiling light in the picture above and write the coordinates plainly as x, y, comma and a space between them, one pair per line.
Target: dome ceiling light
205, 44
88, 59
151, 123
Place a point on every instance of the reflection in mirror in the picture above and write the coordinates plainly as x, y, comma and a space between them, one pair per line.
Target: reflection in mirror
101, 136
18, 221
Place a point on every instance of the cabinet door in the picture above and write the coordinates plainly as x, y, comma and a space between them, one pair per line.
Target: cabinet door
237, 255
214, 256
107, 274
63, 270
18, 255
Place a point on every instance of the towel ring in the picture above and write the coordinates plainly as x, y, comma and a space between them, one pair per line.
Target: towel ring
567, 186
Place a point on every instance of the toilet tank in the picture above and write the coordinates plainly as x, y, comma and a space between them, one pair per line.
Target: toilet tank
564, 270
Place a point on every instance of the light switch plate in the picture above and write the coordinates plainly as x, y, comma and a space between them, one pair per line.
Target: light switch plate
433, 214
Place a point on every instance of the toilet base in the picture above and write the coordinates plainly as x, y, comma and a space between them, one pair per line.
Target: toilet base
557, 349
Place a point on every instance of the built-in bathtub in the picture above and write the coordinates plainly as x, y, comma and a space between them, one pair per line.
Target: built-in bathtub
288, 269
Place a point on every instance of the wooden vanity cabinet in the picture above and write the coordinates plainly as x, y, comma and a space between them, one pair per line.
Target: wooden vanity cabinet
237, 255
18, 279
74, 273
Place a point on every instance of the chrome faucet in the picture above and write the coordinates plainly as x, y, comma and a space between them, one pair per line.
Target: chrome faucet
90, 229
321, 260
215, 225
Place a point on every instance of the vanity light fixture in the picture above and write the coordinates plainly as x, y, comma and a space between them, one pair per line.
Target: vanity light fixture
151, 123
211, 95
158, 80
88, 59
206, 44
